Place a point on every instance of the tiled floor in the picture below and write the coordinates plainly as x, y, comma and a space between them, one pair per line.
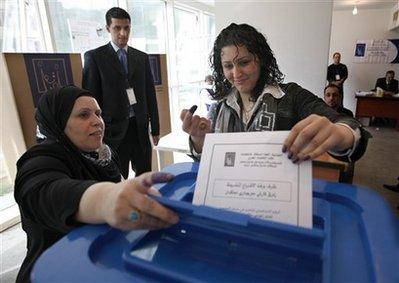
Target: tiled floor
13, 243
380, 164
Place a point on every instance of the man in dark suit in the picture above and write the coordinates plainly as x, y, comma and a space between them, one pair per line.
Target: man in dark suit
120, 77
388, 84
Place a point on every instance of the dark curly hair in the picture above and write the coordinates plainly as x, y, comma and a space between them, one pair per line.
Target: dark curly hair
255, 42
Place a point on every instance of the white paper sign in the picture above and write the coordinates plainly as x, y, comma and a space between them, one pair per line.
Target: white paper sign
86, 35
248, 173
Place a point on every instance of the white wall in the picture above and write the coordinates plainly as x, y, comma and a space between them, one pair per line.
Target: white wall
12, 141
298, 33
346, 30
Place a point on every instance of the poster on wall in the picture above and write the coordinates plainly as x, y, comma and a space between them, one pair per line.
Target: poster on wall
86, 35
47, 71
377, 51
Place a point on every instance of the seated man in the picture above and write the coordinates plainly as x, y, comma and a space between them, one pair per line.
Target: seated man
388, 84
332, 98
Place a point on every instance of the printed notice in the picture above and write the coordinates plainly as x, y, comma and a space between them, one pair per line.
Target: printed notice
248, 173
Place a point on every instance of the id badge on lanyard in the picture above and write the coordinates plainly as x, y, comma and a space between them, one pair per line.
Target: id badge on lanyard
130, 93
131, 96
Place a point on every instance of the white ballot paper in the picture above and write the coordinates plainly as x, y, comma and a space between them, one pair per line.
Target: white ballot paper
248, 173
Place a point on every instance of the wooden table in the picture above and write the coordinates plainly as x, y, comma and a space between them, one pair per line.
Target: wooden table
372, 106
328, 168
324, 167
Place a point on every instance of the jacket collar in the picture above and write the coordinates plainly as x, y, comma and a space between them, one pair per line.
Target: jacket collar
116, 47
114, 60
275, 91
233, 96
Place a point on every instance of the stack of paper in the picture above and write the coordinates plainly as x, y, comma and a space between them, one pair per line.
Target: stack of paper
364, 93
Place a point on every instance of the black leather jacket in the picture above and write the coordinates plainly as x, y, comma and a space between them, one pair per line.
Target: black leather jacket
281, 114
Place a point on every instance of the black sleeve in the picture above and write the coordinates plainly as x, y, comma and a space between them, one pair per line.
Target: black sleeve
396, 86
47, 195
344, 72
91, 79
330, 75
349, 113
360, 149
377, 84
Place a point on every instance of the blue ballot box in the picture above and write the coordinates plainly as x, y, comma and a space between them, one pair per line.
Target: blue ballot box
355, 238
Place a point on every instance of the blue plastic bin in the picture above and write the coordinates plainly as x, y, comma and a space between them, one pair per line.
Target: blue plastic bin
355, 239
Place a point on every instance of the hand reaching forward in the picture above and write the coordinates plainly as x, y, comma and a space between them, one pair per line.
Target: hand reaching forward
127, 205
315, 135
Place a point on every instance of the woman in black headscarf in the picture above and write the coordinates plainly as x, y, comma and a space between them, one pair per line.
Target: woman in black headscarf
73, 178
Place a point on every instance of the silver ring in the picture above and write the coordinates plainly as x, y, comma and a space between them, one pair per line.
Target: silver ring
134, 216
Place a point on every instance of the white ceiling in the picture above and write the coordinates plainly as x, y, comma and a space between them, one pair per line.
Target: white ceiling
338, 4
207, 2
364, 4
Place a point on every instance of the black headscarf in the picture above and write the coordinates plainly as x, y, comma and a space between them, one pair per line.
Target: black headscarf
54, 109
52, 114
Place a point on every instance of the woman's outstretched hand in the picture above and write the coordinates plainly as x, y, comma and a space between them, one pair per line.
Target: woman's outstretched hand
127, 205
315, 135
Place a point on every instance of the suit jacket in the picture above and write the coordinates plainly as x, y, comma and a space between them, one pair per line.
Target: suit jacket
392, 87
344, 111
104, 76
339, 69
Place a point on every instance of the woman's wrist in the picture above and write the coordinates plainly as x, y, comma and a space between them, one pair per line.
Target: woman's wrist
95, 203
348, 138
198, 143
